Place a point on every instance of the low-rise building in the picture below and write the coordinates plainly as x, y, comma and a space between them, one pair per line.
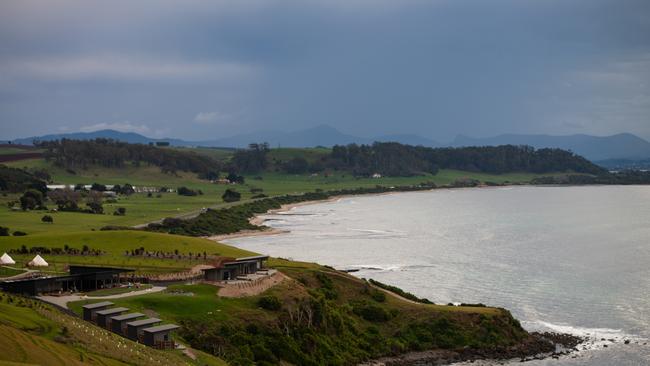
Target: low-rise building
159, 336
118, 323
225, 269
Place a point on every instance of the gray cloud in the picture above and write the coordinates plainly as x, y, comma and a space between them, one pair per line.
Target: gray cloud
436, 68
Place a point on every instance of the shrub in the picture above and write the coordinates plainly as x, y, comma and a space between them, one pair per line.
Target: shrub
371, 312
231, 195
4, 231
47, 218
19, 233
31, 200
120, 211
270, 302
98, 187
184, 191
378, 296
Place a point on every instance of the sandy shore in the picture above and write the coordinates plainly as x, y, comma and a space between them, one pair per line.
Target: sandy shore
258, 220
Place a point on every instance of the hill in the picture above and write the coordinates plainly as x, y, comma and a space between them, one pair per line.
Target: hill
594, 148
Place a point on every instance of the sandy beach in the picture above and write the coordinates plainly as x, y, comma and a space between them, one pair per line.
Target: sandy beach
258, 220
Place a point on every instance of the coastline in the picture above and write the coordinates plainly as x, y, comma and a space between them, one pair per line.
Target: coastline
257, 220
539, 346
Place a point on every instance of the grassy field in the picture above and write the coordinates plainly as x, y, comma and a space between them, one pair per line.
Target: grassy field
114, 244
33, 333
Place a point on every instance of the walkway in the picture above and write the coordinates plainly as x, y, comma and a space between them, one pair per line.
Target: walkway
63, 301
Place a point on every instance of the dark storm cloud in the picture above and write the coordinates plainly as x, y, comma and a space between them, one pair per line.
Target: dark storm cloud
438, 68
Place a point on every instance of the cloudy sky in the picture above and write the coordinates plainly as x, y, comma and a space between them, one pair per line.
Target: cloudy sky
438, 68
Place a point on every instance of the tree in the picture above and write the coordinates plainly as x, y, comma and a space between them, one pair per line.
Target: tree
98, 187
234, 178
47, 218
66, 199
184, 191
297, 165
94, 202
231, 195
31, 200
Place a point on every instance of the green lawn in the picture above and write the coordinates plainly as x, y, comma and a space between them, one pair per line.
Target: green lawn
8, 272
181, 301
115, 243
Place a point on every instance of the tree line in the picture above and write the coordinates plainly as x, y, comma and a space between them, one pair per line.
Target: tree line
80, 154
395, 159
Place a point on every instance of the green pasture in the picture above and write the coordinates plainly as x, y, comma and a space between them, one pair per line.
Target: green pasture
115, 243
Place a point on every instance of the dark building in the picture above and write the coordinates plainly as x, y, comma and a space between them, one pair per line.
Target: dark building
134, 329
118, 323
103, 317
90, 310
159, 337
81, 278
230, 268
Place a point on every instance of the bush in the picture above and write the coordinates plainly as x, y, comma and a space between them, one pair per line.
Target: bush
184, 191
378, 296
371, 312
231, 195
120, 211
19, 233
31, 200
4, 231
47, 218
270, 302
98, 187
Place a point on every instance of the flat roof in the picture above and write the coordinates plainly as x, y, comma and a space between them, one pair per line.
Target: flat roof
161, 328
252, 258
112, 311
139, 323
97, 305
127, 316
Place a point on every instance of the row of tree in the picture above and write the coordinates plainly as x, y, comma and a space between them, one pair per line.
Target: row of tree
80, 154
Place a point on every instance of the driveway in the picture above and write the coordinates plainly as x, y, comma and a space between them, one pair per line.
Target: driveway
63, 301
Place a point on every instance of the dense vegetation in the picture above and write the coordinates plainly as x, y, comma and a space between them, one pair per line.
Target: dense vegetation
80, 154
623, 177
18, 180
396, 159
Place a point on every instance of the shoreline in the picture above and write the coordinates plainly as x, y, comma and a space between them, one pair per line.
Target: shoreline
257, 220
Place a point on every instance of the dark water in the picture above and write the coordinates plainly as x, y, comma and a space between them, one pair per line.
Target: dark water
569, 259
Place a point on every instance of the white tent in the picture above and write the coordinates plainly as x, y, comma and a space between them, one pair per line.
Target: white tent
38, 261
6, 259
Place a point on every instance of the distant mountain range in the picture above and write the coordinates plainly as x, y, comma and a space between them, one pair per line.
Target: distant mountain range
622, 146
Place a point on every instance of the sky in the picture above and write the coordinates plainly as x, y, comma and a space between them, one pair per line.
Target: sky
203, 70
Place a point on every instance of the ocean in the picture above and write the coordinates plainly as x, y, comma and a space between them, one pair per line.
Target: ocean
564, 259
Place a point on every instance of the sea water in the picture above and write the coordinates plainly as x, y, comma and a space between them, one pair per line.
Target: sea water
564, 259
